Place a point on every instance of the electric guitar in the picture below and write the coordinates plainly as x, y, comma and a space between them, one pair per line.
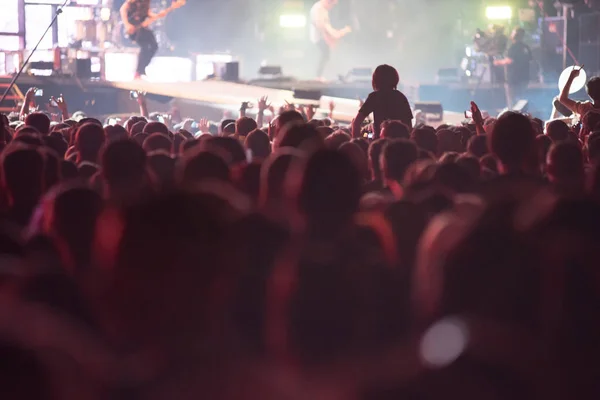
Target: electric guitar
333, 40
132, 30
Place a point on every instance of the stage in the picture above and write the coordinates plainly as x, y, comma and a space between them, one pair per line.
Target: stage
211, 98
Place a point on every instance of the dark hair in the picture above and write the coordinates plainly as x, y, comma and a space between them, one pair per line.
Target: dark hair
224, 124
297, 134
398, 155
258, 142
374, 153
123, 162
39, 121
394, 130
425, 138
244, 126
565, 161
512, 140
477, 146
592, 88
89, 139
156, 127
385, 77
157, 141
557, 130
138, 127
198, 165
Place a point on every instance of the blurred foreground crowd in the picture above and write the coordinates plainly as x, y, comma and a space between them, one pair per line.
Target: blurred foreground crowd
299, 262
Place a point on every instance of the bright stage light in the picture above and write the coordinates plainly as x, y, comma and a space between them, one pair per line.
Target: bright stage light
292, 21
498, 12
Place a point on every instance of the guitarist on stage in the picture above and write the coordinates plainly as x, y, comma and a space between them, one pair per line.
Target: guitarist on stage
322, 34
137, 17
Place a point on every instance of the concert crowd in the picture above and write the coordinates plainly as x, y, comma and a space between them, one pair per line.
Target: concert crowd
293, 257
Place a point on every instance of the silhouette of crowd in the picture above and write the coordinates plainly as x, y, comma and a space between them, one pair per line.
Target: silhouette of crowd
297, 258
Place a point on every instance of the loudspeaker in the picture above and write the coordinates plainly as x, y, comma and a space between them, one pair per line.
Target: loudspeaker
307, 94
231, 72
83, 68
433, 110
589, 55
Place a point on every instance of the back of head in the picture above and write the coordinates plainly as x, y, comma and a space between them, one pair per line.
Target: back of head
23, 174
157, 141
138, 127
39, 121
449, 140
73, 218
397, 156
224, 124
477, 146
592, 88
198, 165
245, 125
337, 139
374, 155
394, 130
57, 143
426, 139
565, 162
115, 132
542, 145
557, 131
258, 142
132, 121
297, 135
385, 77
124, 164
230, 145
591, 121
285, 118
273, 173
512, 141
26, 130
89, 139
156, 127
357, 156
330, 190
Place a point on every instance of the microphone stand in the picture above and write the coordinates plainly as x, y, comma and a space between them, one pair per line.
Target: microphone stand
18, 74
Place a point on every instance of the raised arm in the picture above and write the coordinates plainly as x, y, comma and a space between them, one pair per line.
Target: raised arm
357, 124
564, 93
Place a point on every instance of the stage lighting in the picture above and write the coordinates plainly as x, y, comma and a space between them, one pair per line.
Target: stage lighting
292, 21
498, 12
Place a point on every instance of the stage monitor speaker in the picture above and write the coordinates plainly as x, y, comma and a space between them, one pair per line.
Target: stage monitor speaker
231, 72
272, 70
448, 75
433, 110
307, 94
83, 68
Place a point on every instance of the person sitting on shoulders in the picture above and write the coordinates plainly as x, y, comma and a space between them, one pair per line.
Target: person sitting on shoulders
581, 108
386, 102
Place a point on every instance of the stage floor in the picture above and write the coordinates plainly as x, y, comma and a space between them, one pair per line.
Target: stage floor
103, 98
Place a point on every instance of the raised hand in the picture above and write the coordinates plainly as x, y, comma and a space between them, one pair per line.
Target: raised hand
575, 72
477, 117
263, 104
311, 110
203, 125
61, 103
290, 106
